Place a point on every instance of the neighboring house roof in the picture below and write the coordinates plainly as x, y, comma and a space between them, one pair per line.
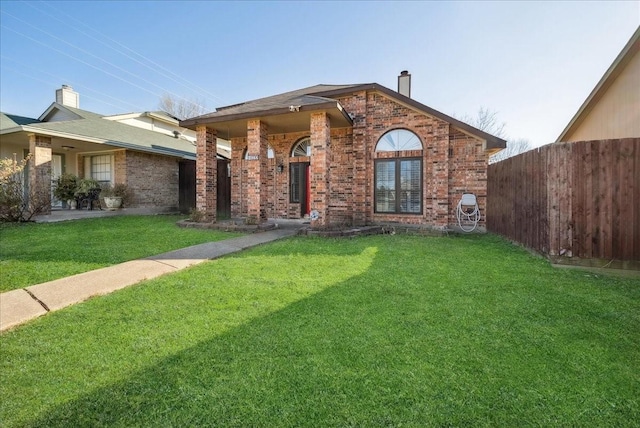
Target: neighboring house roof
87, 126
159, 115
8, 121
322, 97
622, 60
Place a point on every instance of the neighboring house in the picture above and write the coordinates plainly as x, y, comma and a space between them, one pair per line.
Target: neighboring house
67, 139
163, 122
343, 155
612, 110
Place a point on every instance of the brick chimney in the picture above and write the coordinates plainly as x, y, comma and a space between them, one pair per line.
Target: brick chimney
404, 83
68, 97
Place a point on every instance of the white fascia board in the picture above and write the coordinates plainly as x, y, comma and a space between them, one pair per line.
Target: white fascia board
118, 117
11, 130
52, 133
165, 119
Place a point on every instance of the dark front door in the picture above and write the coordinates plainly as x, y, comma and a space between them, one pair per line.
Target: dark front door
223, 194
299, 186
187, 186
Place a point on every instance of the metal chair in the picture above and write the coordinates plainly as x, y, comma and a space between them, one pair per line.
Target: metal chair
92, 196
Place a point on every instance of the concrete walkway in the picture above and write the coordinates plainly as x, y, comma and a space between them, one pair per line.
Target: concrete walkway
19, 306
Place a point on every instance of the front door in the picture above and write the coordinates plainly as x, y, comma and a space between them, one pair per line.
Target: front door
299, 185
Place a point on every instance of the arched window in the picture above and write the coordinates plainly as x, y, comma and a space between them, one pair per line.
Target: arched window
270, 153
397, 140
302, 147
398, 180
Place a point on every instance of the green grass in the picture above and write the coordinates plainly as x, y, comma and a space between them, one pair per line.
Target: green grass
33, 253
374, 331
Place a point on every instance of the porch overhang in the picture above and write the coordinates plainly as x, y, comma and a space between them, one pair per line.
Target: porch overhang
279, 120
62, 142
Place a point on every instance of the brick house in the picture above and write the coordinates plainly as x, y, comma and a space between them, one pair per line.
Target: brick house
343, 155
141, 150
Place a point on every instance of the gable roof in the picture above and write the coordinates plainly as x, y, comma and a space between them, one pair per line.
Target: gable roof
299, 97
624, 57
158, 114
493, 142
323, 97
88, 126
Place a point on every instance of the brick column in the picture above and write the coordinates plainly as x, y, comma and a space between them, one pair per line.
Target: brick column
40, 172
206, 172
320, 162
440, 170
257, 145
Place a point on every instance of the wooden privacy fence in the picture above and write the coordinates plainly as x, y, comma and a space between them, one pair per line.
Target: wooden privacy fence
571, 200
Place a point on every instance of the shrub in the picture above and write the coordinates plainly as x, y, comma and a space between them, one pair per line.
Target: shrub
84, 185
119, 190
66, 186
199, 216
16, 202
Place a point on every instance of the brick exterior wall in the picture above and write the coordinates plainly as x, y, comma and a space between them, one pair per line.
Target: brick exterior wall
467, 172
258, 195
321, 200
40, 169
206, 172
153, 179
452, 163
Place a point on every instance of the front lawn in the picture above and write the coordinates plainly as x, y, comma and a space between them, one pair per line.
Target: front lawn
374, 331
32, 253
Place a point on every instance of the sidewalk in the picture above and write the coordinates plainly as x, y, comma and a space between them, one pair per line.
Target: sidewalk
22, 305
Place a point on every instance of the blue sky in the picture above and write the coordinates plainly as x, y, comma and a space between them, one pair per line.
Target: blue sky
534, 63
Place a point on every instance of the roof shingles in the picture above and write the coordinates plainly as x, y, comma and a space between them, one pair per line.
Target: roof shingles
94, 127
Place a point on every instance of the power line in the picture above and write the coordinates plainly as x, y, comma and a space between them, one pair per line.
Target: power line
81, 61
156, 67
79, 85
22, 74
97, 57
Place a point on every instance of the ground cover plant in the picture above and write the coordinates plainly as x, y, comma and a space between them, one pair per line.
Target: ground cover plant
373, 331
31, 253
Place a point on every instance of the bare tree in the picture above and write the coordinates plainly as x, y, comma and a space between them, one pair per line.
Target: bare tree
487, 120
181, 108
514, 147
17, 203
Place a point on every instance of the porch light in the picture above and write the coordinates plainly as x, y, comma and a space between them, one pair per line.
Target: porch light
280, 168
67, 148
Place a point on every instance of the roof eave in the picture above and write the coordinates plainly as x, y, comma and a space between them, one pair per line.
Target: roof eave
327, 105
50, 133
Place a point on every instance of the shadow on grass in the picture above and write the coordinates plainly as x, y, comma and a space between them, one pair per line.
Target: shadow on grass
396, 344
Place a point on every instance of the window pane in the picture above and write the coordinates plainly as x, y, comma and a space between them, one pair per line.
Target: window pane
385, 186
294, 180
302, 148
397, 140
410, 186
101, 168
